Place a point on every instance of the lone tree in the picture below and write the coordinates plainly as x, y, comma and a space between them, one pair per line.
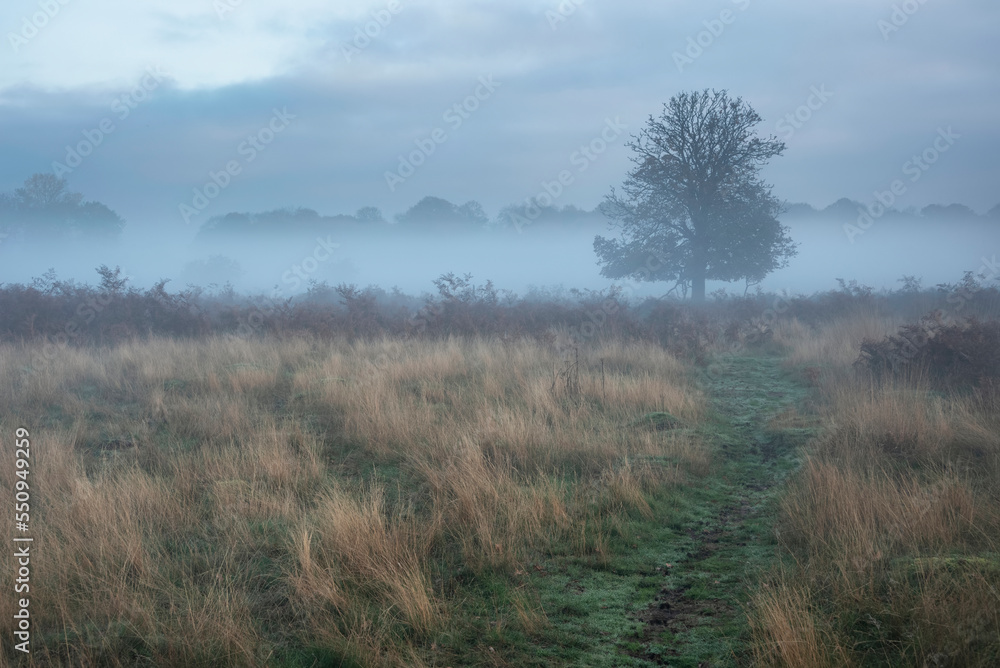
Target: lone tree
694, 206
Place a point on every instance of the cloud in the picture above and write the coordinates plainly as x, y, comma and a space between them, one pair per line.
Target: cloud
560, 82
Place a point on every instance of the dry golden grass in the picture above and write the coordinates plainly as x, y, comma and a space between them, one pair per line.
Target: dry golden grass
786, 631
195, 496
350, 544
902, 478
835, 343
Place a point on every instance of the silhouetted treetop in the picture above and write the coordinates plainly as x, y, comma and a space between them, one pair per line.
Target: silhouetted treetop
370, 215
950, 211
530, 215
280, 222
44, 209
434, 211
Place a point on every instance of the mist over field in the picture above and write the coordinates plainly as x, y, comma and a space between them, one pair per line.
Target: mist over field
937, 250
380, 333
385, 104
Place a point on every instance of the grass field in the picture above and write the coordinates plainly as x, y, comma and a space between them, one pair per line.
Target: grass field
467, 501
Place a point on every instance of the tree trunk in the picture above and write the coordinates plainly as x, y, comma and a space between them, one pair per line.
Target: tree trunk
698, 287
698, 271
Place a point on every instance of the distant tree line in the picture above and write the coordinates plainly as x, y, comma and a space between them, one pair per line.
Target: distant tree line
430, 214
434, 214
845, 208
44, 209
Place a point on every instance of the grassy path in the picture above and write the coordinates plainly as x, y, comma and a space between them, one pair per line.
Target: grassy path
675, 591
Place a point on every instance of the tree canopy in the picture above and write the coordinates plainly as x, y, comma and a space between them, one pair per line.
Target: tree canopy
531, 216
694, 206
44, 209
280, 223
434, 211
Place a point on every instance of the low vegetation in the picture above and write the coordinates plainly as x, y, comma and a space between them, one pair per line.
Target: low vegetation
740, 483
237, 502
891, 532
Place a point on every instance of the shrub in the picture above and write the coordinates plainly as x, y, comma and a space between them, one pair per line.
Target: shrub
953, 355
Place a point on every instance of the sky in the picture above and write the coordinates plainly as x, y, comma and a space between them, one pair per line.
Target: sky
172, 112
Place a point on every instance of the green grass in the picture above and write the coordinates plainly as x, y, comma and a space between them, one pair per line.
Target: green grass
658, 420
